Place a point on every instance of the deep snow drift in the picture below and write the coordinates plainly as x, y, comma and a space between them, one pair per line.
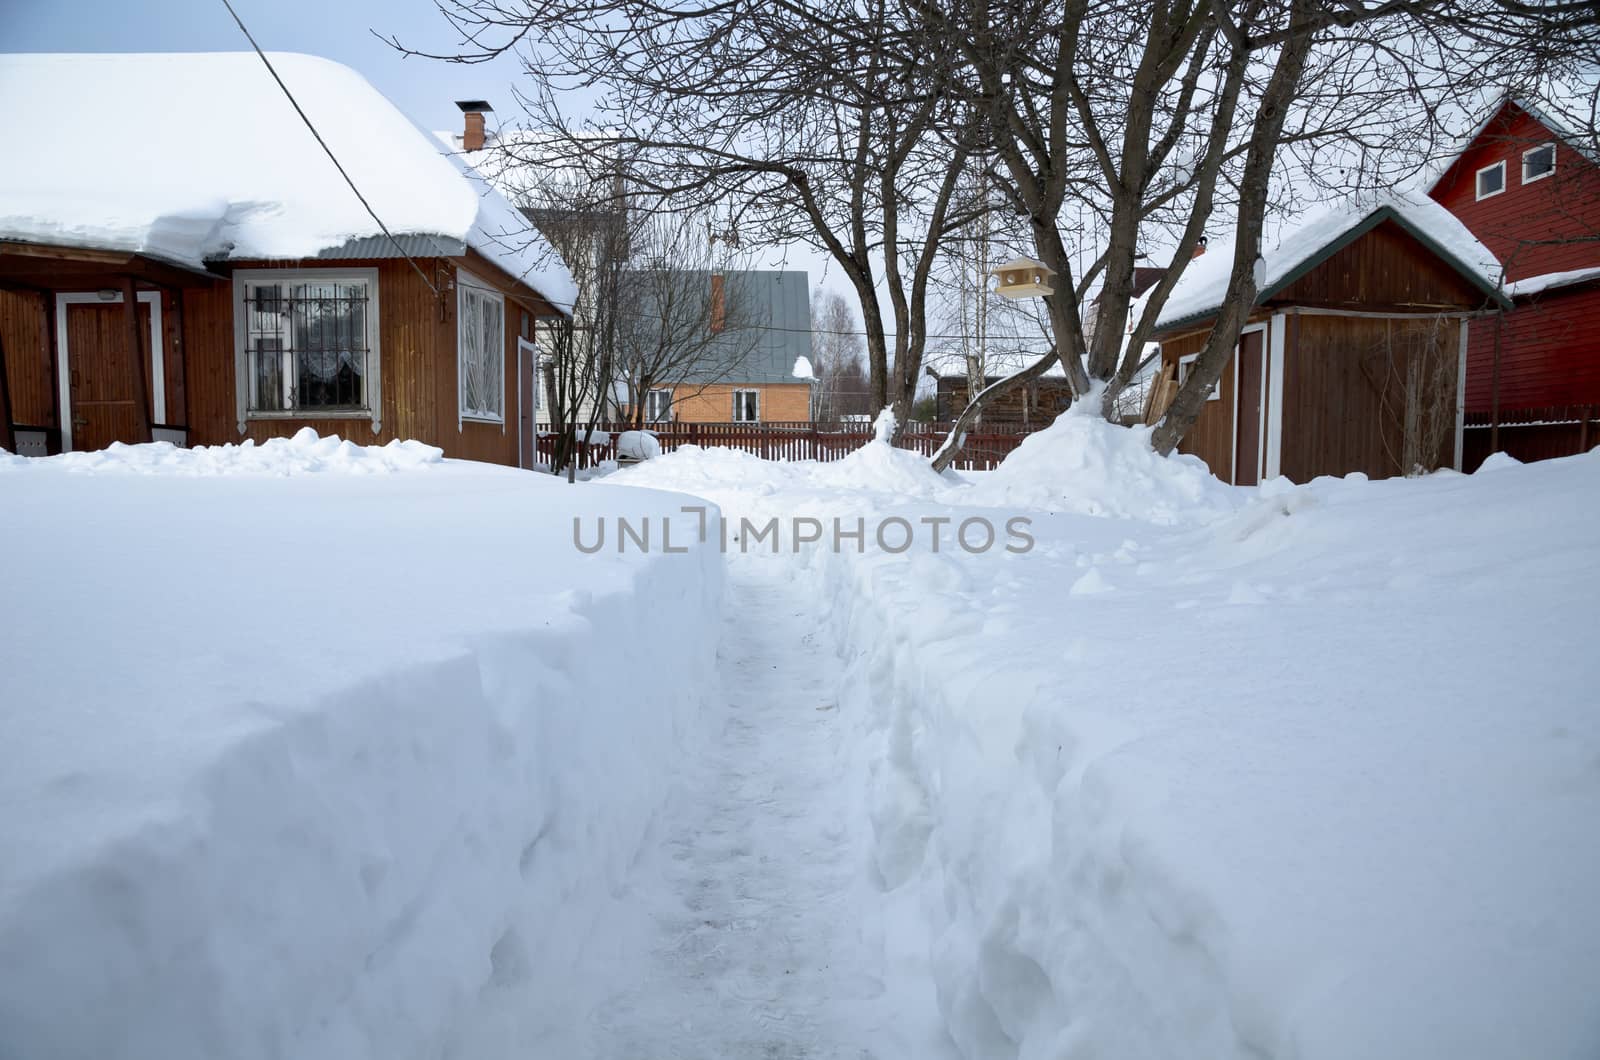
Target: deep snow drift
312, 749
1298, 772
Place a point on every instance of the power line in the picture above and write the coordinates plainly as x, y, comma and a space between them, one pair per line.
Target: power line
331, 157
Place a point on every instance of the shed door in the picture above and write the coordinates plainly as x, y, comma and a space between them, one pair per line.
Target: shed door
103, 393
1252, 378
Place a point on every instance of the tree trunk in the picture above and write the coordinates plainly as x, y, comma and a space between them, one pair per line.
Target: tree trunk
954, 441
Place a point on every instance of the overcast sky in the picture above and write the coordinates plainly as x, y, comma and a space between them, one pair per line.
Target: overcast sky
342, 30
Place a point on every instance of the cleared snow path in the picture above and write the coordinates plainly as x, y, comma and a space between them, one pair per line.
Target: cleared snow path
767, 940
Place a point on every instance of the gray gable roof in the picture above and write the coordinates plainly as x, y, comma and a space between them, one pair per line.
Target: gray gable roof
776, 306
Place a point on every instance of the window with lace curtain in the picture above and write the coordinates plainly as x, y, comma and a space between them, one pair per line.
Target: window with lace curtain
480, 350
306, 344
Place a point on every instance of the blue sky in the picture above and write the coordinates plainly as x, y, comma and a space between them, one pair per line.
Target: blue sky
336, 29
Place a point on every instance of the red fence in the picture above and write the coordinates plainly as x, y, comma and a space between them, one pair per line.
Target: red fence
985, 447
1533, 433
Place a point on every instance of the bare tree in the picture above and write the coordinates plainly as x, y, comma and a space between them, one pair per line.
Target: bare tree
1158, 120
842, 387
826, 124
585, 218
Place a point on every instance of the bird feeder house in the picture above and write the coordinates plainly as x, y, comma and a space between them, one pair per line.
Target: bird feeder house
1023, 278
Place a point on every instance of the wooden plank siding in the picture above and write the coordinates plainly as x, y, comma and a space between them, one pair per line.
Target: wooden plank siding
418, 371
1542, 226
1338, 417
25, 325
1549, 352
1386, 269
1211, 437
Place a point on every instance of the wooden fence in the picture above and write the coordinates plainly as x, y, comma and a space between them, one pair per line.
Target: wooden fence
985, 447
1532, 433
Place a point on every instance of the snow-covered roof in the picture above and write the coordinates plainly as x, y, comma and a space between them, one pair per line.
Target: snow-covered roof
1315, 235
1550, 281
217, 165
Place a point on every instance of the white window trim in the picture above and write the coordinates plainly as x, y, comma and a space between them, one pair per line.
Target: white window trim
527, 360
667, 390
1277, 340
373, 383
464, 280
749, 390
1477, 181
1261, 424
158, 364
1184, 362
1548, 173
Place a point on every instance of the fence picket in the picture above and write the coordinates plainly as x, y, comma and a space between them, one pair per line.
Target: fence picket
799, 440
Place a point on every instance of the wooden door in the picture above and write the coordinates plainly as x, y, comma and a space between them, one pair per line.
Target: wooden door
104, 395
1251, 377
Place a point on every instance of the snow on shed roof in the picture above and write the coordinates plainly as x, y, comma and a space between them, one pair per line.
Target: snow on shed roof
220, 166
1314, 236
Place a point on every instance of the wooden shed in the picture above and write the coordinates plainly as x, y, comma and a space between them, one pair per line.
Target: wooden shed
1353, 357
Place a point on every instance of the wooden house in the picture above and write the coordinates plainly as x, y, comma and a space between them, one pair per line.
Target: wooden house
153, 287
1526, 182
1352, 358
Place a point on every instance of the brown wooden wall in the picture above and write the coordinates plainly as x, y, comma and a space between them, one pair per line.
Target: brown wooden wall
418, 370
1343, 393
1211, 437
25, 327
1384, 269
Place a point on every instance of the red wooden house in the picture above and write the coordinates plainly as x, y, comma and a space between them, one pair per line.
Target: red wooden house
206, 274
1527, 184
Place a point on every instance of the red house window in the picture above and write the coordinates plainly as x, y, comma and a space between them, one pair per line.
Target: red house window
1492, 180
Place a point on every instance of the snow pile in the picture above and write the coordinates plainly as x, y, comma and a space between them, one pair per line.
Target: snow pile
1317, 780
1205, 281
305, 453
234, 173
638, 445
1083, 464
324, 766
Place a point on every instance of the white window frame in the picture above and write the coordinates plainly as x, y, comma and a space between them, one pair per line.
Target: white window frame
650, 413
739, 405
1534, 150
372, 381
1477, 181
1183, 376
470, 286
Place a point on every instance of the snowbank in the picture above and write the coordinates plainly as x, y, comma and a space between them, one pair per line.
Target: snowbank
1303, 771
1081, 463
305, 453
313, 764
1315, 781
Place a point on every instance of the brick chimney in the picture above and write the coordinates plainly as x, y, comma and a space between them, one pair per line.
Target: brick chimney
473, 110
1199, 247
719, 302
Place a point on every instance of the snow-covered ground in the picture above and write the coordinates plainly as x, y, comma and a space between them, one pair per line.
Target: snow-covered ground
316, 750
1300, 772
